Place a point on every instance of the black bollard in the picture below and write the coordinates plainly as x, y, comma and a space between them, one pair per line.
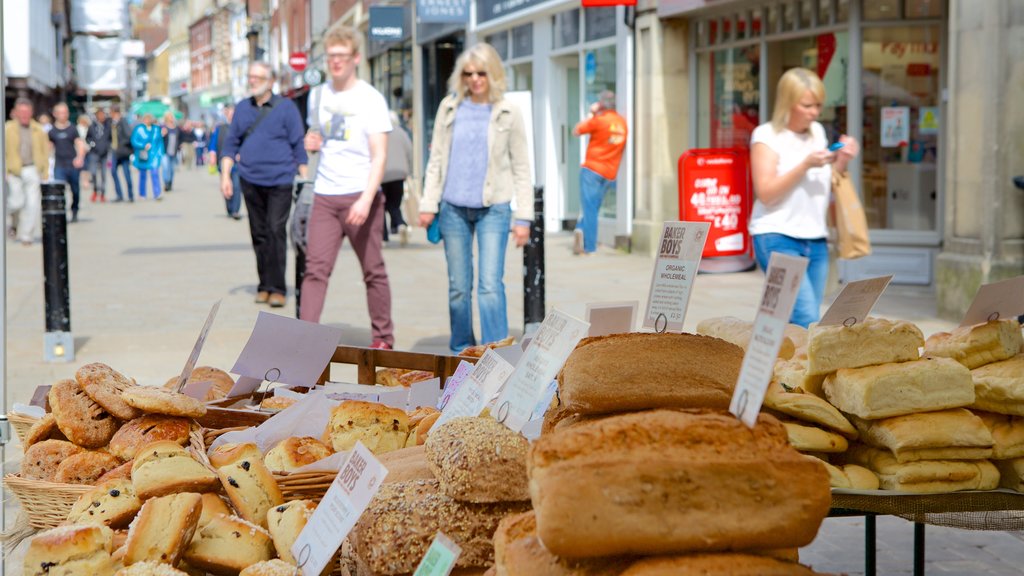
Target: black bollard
533, 267
58, 342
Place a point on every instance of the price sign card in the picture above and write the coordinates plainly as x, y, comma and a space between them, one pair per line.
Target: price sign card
997, 300
611, 317
450, 387
487, 377
190, 364
679, 253
781, 285
285, 350
855, 302
349, 495
440, 557
551, 345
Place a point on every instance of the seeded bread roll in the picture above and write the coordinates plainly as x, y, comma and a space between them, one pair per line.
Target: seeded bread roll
79, 417
106, 385
85, 467
406, 464
656, 483
407, 515
925, 476
163, 468
658, 370
925, 385
874, 341
148, 429
380, 428
295, 452
112, 504
975, 346
150, 569
999, 386
479, 460
229, 544
42, 459
285, 522
738, 332
250, 487
163, 528
70, 551
929, 435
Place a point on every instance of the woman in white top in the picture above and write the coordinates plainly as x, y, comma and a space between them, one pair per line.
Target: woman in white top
791, 169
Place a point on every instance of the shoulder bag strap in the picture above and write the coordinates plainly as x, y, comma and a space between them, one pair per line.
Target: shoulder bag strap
264, 112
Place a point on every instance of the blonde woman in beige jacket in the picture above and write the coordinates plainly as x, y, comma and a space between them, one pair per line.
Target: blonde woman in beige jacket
478, 164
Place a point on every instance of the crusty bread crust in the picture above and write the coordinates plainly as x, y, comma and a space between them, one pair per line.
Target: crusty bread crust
79, 417
105, 385
147, 429
479, 460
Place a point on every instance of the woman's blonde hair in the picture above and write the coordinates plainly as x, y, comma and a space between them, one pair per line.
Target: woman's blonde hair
485, 58
791, 88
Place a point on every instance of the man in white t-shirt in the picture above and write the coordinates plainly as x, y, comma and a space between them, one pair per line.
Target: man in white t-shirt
349, 127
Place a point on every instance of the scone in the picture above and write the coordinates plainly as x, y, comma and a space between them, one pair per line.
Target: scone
229, 544
163, 401
44, 429
165, 468
421, 420
70, 551
222, 382
232, 452
295, 452
149, 568
163, 528
42, 459
275, 567
79, 417
479, 460
106, 385
285, 522
85, 467
380, 428
250, 487
122, 471
213, 506
112, 504
148, 429
276, 403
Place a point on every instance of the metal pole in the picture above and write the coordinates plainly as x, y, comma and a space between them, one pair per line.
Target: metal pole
3, 293
59, 346
533, 268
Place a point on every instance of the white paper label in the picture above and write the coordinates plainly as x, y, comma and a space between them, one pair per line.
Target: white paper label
679, 254
781, 285
440, 557
551, 345
349, 495
997, 300
452, 386
487, 377
855, 302
611, 317
286, 350
190, 364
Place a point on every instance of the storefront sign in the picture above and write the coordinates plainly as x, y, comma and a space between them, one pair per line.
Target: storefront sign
442, 11
387, 23
895, 126
781, 284
997, 300
855, 302
491, 9
714, 187
679, 254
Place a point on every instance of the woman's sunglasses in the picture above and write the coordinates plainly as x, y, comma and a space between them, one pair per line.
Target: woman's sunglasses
471, 74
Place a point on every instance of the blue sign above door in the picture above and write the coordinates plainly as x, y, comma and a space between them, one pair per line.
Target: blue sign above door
442, 11
387, 23
491, 9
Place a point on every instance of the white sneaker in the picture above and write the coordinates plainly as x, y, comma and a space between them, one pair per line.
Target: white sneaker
403, 234
577, 241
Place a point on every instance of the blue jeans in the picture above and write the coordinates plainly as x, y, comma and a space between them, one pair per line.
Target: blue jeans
152, 174
491, 225
593, 187
123, 164
812, 291
71, 176
168, 169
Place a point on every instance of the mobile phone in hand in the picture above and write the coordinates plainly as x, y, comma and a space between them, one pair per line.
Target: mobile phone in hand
835, 146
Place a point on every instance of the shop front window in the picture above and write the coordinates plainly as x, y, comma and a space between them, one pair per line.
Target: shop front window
824, 54
729, 99
901, 126
599, 75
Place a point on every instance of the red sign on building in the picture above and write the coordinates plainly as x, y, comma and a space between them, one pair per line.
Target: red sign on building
298, 61
596, 3
714, 187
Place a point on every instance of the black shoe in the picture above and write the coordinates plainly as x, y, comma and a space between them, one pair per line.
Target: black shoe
74, 217
116, 200
236, 216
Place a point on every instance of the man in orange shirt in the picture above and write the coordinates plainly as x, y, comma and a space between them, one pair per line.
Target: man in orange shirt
604, 152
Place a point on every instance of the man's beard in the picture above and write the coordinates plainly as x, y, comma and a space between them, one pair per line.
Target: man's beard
260, 91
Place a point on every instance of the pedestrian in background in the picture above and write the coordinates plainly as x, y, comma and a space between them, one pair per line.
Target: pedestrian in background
265, 137
28, 163
349, 128
608, 133
202, 139
148, 146
98, 138
791, 170
217, 140
477, 127
46, 122
121, 146
396, 171
69, 152
82, 125
188, 145
171, 136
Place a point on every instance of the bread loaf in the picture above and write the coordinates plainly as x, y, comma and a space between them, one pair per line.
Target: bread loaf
276, 403
380, 428
148, 429
733, 564
860, 477
406, 464
792, 376
975, 346
163, 528
112, 504
285, 522
657, 370
925, 476
163, 468
1011, 474
293, 453
808, 408
738, 332
925, 385
70, 551
229, 544
929, 435
999, 386
657, 482
519, 552
874, 341
813, 439
479, 460
1007, 434
250, 487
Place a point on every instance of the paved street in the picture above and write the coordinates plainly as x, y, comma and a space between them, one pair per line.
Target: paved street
144, 276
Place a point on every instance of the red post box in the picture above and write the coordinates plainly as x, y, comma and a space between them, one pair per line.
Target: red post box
714, 187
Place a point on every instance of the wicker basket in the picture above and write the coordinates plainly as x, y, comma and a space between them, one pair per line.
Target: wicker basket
47, 504
22, 423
